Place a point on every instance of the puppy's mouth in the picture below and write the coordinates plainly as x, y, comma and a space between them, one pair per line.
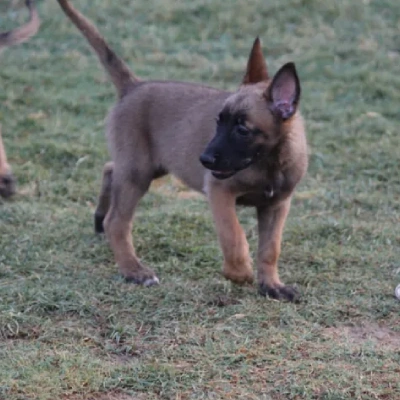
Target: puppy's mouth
223, 174
227, 174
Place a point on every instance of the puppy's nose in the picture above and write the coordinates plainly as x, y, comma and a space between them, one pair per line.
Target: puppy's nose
208, 160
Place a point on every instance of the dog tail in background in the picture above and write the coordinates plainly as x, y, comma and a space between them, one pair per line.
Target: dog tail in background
24, 32
119, 72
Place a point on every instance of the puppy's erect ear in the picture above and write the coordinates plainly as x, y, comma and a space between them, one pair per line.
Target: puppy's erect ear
256, 67
284, 92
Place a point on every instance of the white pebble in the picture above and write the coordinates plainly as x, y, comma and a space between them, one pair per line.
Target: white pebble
397, 292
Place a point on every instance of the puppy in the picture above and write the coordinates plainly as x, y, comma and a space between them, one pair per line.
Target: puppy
246, 147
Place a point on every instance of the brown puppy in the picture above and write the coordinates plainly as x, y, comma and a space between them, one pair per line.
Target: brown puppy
254, 155
10, 38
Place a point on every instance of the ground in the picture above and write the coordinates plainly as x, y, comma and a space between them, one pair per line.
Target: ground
72, 329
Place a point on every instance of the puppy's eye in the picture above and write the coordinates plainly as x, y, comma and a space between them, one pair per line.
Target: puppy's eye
243, 130
241, 127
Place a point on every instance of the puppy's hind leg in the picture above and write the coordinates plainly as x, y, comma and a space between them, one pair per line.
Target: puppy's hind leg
127, 188
104, 198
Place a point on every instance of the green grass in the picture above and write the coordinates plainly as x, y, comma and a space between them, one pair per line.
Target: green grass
72, 329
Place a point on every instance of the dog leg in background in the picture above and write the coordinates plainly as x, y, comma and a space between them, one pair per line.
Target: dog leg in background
237, 262
125, 195
10, 38
104, 198
271, 221
7, 181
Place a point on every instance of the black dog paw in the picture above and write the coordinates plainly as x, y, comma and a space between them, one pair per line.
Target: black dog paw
7, 186
98, 223
286, 293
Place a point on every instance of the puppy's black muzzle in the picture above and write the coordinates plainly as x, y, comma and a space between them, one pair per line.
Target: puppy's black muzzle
222, 169
208, 161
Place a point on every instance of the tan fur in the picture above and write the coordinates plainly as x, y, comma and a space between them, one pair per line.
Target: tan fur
160, 127
10, 38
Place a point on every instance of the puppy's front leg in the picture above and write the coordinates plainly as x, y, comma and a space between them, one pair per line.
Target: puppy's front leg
237, 262
271, 221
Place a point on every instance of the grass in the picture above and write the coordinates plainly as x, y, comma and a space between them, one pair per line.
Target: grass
72, 329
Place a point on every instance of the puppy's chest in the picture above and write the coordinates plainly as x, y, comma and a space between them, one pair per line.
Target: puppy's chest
263, 187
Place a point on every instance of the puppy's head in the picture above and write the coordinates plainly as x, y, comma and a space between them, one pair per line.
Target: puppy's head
252, 119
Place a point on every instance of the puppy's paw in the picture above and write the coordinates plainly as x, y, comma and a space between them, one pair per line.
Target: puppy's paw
239, 274
285, 293
143, 276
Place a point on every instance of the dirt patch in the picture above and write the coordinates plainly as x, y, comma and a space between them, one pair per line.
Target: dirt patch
115, 396
372, 333
107, 396
223, 301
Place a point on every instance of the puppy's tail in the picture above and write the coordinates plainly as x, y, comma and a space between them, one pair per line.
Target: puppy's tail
119, 72
24, 32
